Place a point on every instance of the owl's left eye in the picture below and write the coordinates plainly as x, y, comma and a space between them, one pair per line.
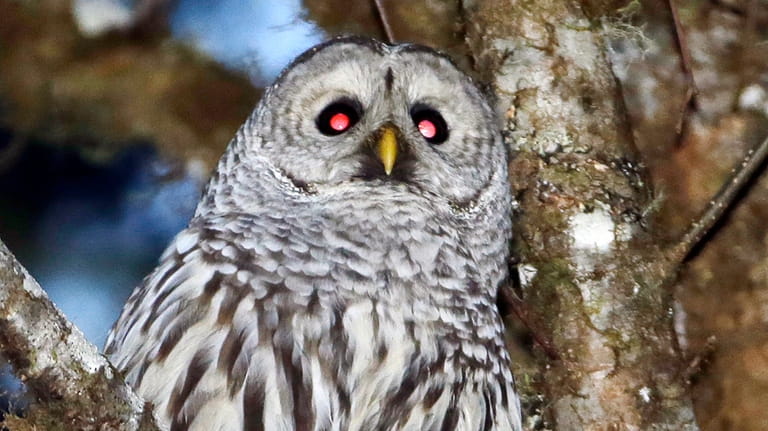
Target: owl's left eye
338, 117
430, 123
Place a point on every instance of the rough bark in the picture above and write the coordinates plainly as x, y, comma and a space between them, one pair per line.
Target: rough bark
73, 384
590, 267
723, 291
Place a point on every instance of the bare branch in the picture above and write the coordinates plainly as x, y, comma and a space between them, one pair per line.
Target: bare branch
724, 200
691, 91
75, 387
384, 21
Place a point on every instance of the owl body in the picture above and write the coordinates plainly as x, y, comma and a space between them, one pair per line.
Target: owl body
334, 295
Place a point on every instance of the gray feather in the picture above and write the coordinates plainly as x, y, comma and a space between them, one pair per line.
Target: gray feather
304, 296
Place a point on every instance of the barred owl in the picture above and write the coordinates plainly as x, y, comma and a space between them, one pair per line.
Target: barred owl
342, 267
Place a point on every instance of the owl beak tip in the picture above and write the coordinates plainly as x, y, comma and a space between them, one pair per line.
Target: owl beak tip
386, 149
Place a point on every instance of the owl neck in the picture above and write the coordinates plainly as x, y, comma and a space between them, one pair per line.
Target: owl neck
259, 185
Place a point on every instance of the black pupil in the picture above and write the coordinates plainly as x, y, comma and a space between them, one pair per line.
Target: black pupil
349, 108
421, 112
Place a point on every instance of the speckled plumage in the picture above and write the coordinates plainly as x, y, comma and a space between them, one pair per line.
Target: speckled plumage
313, 292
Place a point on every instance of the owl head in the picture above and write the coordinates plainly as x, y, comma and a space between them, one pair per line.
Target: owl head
356, 112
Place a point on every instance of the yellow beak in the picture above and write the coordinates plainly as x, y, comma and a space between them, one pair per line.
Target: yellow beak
386, 149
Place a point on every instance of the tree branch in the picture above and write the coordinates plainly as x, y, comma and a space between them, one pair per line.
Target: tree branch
724, 200
75, 387
691, 91
383, 18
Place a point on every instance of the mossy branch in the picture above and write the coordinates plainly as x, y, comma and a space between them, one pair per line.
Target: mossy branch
74, 386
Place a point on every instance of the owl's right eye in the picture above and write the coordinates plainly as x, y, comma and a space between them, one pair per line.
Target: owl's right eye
338, 117
430, 123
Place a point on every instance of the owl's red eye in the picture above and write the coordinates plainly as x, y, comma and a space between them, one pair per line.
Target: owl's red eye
427, 129
338, 117
339, 122
430, 123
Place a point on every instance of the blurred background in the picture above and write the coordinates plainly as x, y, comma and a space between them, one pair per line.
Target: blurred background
113, 112
89, 219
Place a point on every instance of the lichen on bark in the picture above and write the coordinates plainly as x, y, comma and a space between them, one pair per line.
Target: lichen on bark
598, 291
72, 384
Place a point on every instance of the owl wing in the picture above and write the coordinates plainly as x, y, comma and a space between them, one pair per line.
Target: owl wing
210, 337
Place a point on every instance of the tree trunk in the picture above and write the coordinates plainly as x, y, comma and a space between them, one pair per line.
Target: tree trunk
591, 269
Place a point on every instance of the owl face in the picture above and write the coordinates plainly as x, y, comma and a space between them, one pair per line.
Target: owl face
356, 111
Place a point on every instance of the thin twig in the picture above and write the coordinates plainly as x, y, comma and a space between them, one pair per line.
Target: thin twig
721, 203
384, 21
691, 91
518, 307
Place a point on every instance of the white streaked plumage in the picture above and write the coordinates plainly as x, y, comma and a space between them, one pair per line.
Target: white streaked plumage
314, 291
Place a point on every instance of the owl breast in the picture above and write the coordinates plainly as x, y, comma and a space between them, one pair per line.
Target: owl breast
311, 317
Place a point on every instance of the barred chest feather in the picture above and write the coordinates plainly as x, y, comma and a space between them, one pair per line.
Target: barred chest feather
278, 321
